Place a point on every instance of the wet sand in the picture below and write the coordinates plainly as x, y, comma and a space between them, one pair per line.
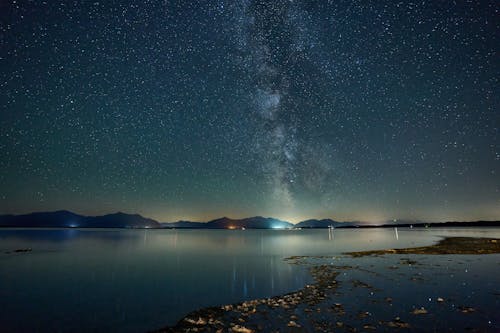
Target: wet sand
370, 291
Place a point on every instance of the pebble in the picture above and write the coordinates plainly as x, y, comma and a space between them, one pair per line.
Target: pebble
420, 311
241, 329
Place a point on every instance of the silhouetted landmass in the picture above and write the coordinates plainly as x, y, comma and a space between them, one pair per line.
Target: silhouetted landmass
66, 219
256, 222
324, 223
183, 225
121, 220
429, 224
56, 219
449, 245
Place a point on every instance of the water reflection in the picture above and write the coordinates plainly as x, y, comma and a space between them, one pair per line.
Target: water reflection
63, 235
330, 233
136, 280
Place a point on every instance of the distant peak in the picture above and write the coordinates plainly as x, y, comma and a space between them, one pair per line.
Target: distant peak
124, 214
57, 212
63, 211
224, 218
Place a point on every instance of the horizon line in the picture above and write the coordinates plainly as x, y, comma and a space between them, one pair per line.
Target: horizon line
394, 220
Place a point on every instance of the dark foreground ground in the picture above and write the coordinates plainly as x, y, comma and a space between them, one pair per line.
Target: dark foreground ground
439, 288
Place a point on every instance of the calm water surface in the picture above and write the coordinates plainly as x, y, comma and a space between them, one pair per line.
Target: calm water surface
137, 280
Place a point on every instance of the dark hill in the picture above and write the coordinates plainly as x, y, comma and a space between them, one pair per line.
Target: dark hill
120, 220
56, 219
256, 222
65, 219
324, 223
184, 225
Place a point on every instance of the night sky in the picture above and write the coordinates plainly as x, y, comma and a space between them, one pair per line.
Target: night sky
352, 110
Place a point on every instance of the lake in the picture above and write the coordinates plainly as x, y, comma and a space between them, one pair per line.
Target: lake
80, 280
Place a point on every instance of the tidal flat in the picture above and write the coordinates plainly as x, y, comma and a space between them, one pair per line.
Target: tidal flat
449, 286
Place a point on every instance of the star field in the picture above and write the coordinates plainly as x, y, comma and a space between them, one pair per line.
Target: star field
365, 110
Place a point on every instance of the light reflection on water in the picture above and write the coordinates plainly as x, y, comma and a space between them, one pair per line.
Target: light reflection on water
135, 280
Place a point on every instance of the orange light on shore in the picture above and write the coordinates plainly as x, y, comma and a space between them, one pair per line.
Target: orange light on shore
231, 227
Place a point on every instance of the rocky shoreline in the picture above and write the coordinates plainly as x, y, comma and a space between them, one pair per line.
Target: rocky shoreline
256, 315
326, 305
450, 245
